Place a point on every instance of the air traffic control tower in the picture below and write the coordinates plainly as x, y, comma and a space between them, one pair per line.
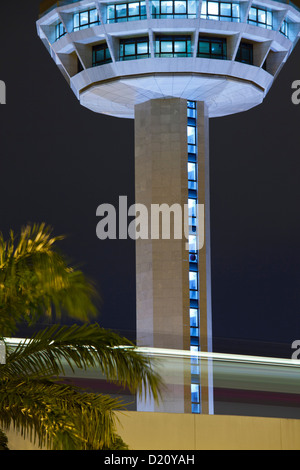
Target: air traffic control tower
171, 65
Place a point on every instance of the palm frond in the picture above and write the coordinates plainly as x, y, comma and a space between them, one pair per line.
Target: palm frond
84, 346
58, 416
35, 279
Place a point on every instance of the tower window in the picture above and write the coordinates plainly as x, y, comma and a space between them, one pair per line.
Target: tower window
212, 48
101, 55
245, 53
126, 12
134, 48
260, 17
174, 8
173, 46
284, 29
223, 11
85, 19
59, 31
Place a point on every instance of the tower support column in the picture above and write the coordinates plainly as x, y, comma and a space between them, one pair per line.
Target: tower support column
162, 265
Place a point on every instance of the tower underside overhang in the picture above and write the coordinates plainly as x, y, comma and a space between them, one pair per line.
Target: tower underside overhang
226, 90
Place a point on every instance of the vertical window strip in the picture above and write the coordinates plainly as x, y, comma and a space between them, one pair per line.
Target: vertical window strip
193, 253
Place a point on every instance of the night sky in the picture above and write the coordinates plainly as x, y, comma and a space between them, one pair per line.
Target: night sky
59, 161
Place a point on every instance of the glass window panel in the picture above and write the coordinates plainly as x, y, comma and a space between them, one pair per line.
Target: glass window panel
213, 8
93, 16
142, 48
194, 332
100, 55
252, 14
225, 9
216, 48
193, 294
84, 17
194, 317
236, 10
192, 243
110, 12
180, 46
166, 46
166, 7
269, 17
121, 10
192, 171
155, 7
195, 408
192, 207
191, 135
180, 7
192, 7
192, 149
204, 8
261, 16
191, 113
204, 47
76, 20
195, 393
133, 9
189, 45
194, 359
193, 280
129, 49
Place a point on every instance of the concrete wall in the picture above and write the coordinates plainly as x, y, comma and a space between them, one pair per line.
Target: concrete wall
168, 431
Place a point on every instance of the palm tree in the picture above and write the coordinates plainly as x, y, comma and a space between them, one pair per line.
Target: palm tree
35, 279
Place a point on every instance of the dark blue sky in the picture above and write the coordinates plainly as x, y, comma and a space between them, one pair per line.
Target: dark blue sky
59, 161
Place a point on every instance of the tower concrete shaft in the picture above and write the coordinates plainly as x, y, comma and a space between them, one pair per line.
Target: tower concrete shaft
163, 265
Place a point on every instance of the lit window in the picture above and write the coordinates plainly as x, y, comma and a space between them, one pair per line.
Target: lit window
221, 11
174, 8
193, 276
194, 322
134, 48
193, 243
173, 46
260, 17
85, 19
195, 391
192, 176
126, 12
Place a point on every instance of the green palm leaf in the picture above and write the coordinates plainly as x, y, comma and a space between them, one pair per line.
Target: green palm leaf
58, 416
35, 279
50, 350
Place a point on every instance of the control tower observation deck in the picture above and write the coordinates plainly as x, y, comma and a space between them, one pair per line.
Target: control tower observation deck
171, 65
